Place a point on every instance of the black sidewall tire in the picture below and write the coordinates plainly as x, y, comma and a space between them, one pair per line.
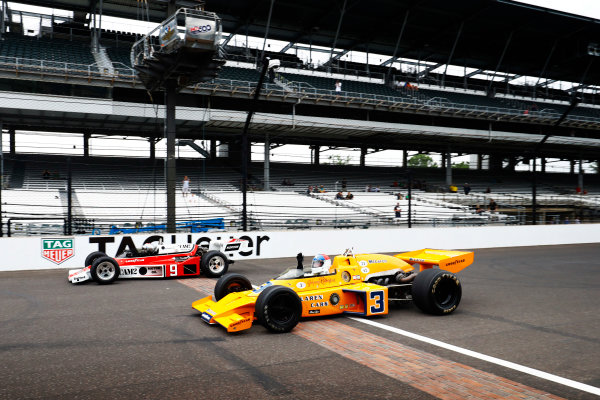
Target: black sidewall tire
205, 264
92, 257
436, 291
101, 280
230, 283
270, 304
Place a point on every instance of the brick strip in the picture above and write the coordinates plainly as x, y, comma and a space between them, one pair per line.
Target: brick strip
424, 371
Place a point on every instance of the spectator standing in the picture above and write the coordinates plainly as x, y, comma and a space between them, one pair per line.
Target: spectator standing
185, 188
466, 188
338, 86
397, 211
493, 205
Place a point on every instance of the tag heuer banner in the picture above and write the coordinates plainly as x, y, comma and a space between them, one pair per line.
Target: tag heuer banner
57, 250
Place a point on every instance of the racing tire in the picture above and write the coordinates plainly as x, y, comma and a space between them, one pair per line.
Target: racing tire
436, 291
214, 264
278, 308
231, 283
93, 257
105, 270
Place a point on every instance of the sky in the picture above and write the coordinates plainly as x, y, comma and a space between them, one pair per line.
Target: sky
588, 8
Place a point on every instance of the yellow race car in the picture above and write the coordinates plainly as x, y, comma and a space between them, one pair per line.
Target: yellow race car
359, 284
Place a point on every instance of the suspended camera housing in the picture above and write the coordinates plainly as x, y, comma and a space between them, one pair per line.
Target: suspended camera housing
184, 47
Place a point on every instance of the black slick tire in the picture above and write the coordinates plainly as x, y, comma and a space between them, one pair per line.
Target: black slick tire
436, 291
230, 283
105, 270
278, 308
93, 256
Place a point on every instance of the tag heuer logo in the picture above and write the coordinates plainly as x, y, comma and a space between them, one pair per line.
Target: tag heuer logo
57, 250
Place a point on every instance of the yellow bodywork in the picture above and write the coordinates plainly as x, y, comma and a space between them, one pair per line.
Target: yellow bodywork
344, 290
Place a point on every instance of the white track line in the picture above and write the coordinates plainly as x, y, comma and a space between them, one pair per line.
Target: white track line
494, 360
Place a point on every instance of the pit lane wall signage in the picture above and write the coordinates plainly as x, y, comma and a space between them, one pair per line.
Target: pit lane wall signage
30, 253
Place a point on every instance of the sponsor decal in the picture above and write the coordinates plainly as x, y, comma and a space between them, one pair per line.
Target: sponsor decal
207, 317
314, 311
462, 260
364, 270
376, 261
233, 247
300, 285
133, 260
80, 271
356, 277
129, 271
319, 304
312, 298
196, 30
363, 263
57, 250
242, 321
416, 259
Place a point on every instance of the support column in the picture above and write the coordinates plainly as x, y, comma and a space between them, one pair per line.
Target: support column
86, 144
170, 169
543, 161
448, 169
580, 177
316, 154
479, 162
11, 132
267, 178
363, 155
572, 171
213, 149
152, 148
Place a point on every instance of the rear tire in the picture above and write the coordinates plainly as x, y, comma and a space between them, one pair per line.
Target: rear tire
105, 270
278, 308
231, 283
436, 291
214, 264
93, 257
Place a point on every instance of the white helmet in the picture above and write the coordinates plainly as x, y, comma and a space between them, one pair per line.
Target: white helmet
320, 264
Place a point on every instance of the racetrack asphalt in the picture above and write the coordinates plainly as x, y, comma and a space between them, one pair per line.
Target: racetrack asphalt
533, 306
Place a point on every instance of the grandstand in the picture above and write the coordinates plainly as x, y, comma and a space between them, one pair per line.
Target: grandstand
484, 112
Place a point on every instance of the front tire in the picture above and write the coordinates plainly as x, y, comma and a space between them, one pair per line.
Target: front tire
214, 264
105, 270
231, 283
278, 308
89, 260
436, 291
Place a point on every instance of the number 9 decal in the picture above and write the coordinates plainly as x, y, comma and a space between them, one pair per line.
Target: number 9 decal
173, 271
379, 298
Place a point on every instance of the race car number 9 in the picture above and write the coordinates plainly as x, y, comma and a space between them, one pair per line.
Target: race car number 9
173, 270
378, 298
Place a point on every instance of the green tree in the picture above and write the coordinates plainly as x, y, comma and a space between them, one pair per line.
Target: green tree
339, 160
462, 164
422, 161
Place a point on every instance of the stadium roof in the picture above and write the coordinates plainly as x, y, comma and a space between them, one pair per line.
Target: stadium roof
488, 35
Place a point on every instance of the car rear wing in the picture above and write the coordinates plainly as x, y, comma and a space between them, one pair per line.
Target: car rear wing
449, 260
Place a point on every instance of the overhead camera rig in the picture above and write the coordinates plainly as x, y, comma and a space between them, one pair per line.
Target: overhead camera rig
184, 48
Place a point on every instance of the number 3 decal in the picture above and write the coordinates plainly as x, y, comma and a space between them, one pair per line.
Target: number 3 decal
379, 306
173, 270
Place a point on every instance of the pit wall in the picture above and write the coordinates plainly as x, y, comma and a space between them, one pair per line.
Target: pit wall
32, 253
